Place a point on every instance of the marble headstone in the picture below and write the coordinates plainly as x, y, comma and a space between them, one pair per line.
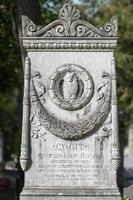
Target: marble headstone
70, 143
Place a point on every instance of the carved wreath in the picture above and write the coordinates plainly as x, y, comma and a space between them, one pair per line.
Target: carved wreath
80, 128
71, 87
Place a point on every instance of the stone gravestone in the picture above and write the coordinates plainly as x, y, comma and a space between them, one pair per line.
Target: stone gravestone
70, 144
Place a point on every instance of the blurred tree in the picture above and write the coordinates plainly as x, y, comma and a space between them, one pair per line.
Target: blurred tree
124, 53
44, 11
30, 8
11, 70
89, 8
50, 9
10, 79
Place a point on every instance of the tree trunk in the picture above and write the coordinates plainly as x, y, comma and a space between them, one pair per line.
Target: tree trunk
30, 8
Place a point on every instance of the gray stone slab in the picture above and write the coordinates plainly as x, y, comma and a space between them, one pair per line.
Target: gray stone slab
70, 139
128, 191
71, 198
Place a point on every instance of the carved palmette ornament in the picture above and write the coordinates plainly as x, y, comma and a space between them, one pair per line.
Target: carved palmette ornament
71, 87
69, 24
80, 128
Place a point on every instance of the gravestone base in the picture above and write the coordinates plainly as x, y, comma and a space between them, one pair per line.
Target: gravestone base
72, 198
79, 194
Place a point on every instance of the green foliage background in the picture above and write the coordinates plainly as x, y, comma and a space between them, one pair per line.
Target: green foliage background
10, 82
11, 74
124, 53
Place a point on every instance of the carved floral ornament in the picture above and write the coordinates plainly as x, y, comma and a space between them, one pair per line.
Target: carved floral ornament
69, 24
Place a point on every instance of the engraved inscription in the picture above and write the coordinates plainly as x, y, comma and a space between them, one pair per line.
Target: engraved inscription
85, 165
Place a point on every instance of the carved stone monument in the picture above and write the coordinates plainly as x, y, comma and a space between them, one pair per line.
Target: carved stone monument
70, 144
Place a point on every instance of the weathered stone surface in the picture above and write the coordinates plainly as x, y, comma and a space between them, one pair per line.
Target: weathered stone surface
70, 198
128, 191
70, 144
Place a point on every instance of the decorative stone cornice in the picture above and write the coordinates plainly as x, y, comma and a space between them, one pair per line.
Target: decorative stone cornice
67, 190
69, 24
67, 44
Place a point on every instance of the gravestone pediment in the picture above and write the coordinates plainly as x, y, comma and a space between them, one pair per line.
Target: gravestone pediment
69, 24
70, 143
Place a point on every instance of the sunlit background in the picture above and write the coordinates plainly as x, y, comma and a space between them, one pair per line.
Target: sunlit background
11, 69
